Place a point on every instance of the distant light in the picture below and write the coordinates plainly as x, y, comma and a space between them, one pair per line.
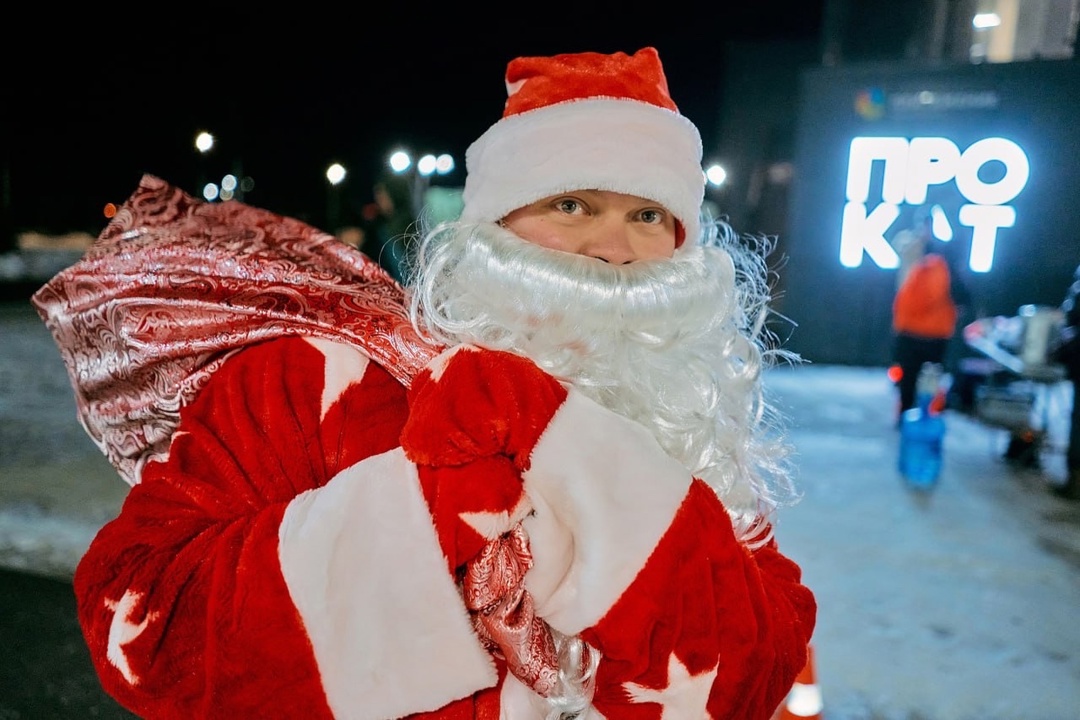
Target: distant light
335, 173
895, 373
210, 192
780, 173
400, 161
247, 184
110, 210
204, 141
716, 175
444, 164
226, 194
982, 21
228, 183
426, 165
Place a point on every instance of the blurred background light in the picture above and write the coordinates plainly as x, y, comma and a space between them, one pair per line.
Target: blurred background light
400, 161
204, 142
335, 173
716, 174
444, 164
426, 165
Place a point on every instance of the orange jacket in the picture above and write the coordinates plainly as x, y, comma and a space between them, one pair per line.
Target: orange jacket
923, 305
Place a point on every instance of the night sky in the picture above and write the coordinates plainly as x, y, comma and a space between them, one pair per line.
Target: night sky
89, 108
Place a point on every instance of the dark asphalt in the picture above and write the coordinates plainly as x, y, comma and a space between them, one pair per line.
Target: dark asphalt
45, 669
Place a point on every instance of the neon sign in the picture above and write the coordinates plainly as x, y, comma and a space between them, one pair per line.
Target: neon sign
909, 168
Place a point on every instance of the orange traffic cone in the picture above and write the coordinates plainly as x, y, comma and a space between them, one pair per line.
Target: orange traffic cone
804, 699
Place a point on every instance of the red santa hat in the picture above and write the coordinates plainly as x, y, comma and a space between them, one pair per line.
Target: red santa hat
586, 121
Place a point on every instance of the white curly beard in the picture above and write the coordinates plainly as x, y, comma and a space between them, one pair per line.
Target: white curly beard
669, 343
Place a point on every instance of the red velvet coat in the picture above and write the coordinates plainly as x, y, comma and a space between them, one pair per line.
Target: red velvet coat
294, 555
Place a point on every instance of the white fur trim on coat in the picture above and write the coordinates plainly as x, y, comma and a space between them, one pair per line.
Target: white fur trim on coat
364, 567
604, 493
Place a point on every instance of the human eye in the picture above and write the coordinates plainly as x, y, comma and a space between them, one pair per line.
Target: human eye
569, 205
652, 216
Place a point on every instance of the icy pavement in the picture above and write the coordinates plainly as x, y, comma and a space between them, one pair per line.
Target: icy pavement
959, 604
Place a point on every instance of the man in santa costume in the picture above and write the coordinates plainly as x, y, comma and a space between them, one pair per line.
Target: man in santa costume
538, 483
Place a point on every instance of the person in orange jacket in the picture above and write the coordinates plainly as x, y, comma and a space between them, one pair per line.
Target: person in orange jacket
925, 308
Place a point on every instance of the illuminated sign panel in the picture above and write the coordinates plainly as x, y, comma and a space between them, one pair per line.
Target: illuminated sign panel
986, 150
908, 168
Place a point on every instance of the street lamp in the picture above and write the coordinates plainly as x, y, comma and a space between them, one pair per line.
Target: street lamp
716, 174
204, 143
715, 178
233, 185
335, 175
400, 161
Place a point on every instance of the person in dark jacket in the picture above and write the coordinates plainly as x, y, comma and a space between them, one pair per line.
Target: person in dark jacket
386, 237
1068, 354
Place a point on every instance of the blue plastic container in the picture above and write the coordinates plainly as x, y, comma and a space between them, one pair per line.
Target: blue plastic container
922, 434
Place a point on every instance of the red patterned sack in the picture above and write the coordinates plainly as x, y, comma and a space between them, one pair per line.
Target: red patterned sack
174, 285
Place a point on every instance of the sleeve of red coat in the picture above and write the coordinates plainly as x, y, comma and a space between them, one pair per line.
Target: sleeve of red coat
630, 550
282, 561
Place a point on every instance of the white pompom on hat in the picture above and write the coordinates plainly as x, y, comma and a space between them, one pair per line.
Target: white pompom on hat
586, 121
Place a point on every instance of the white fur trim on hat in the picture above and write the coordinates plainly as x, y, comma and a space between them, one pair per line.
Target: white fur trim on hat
622, 146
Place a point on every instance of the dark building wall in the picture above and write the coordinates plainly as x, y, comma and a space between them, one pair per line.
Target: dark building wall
757, 128
756, 143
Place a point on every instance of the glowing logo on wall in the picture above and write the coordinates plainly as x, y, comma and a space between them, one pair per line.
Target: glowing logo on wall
909, 168
870, 103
